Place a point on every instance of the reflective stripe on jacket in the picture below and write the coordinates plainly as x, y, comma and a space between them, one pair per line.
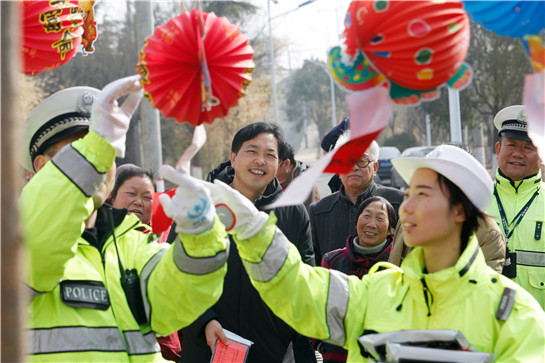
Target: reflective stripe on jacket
330, 306
528, 238
54, 206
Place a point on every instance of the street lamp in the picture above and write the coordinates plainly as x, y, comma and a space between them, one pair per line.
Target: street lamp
271, 49
332, 91
271, 52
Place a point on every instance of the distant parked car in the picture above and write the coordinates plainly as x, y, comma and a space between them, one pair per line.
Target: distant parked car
418, 151
385, 168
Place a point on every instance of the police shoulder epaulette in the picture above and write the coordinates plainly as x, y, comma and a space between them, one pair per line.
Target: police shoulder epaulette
506, 304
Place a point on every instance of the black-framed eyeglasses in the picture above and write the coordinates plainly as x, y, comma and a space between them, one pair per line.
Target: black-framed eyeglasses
363, 163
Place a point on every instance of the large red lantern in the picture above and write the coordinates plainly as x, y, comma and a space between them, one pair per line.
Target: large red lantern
418, 45
52, 32
196, 67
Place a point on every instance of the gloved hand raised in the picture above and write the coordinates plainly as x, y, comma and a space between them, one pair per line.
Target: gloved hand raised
240, 217
111, 121
191, 207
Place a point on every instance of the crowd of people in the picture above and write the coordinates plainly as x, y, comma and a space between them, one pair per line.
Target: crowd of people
458, 249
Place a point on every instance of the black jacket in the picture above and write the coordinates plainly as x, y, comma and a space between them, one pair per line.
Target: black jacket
332, 217
240, 308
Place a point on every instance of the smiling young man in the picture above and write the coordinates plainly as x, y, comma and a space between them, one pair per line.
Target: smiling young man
251, 170
519, 195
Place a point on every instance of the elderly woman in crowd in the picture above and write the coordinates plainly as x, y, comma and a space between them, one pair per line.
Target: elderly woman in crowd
375, 220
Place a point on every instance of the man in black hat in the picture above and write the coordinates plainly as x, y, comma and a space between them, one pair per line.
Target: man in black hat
519, 207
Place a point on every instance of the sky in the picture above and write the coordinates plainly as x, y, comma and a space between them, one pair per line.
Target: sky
310, 30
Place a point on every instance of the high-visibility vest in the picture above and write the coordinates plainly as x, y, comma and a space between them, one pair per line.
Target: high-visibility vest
336, 308
79, 311
528, 238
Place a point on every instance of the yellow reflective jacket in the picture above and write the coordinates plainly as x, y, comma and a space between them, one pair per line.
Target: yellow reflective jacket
528, 238
79, 311
330, 306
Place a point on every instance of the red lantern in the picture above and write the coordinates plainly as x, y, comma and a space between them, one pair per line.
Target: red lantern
418, 45
51, 33
196, 67
160, 222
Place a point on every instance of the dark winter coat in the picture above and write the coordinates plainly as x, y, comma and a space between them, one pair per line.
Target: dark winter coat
351, 262
240, 308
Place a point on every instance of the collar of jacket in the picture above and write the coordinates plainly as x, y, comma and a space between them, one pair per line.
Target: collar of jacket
122, 222
225, 173
369, 192
381, 255
450, 285
526, 185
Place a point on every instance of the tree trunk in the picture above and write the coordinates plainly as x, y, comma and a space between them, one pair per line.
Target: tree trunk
12, 175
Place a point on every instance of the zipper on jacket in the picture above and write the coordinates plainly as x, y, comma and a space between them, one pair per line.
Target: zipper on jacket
107, 237
428, 297
400, 306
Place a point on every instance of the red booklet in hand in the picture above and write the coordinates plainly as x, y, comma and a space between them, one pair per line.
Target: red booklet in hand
234, 352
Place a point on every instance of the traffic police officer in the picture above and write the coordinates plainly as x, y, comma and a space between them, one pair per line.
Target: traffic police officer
519, 201
101, 290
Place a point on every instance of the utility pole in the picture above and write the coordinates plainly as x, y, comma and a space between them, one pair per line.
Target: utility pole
428, 130
454, 112
478, 149
147, 132
13, 302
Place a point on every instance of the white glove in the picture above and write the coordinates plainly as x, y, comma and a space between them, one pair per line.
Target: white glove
240, 217
191, 207
111, 121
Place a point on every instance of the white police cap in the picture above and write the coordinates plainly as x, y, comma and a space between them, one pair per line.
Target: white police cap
456, 165
58, 116
511, 122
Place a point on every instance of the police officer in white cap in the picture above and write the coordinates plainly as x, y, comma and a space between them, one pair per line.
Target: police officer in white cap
60, 119
519, 195
101, 289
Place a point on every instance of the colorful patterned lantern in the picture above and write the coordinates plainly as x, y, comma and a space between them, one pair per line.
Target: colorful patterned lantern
418, 45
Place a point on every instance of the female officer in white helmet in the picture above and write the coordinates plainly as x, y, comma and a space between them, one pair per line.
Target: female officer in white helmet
443, 283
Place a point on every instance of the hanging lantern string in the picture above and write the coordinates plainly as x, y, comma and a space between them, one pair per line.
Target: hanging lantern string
207, 98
